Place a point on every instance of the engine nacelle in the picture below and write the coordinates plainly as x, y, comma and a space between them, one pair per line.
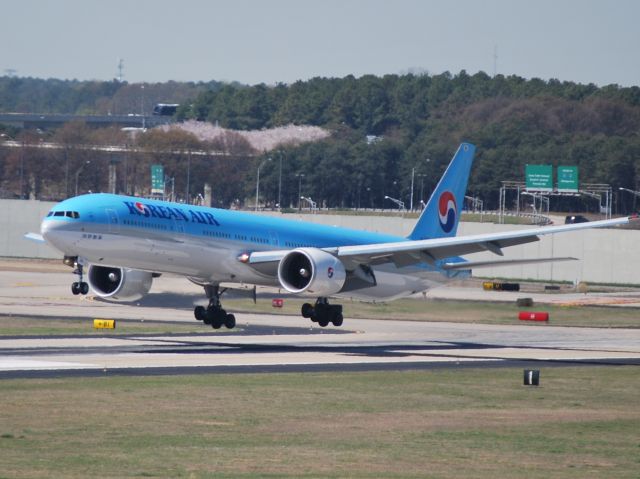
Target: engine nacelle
119, 284
311, 270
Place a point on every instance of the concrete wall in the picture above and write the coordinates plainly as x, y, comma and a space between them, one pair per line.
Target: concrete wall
18, 217
605, 256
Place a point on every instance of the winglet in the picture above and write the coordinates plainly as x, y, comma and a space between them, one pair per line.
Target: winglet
441, 215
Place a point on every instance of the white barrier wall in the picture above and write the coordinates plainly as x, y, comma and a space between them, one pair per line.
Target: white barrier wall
18, 217
604, 256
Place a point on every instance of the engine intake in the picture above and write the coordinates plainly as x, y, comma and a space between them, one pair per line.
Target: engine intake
311, 270
120, 284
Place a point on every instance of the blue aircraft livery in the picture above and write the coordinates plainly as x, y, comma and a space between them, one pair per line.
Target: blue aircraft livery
170, 213
119, 244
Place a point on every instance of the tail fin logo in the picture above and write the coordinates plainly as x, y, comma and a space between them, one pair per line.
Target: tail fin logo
447, 211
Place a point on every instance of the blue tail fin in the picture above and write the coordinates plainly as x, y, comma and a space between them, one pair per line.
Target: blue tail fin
442, 213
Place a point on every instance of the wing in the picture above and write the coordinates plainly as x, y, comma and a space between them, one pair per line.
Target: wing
405, 253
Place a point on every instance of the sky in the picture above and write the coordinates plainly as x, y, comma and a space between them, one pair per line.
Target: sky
271, 41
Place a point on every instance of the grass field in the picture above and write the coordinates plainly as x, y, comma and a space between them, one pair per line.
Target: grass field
581, 423
484, 312
25, 326
408, 309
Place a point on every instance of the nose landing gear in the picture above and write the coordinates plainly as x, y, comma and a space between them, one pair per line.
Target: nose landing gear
80, 286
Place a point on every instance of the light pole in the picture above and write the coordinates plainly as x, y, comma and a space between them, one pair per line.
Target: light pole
78, 174
280, 183
188, 193
300, 176
312, 204
396, 201
634, 193
258, 181
413, 174
142, 105
421, 176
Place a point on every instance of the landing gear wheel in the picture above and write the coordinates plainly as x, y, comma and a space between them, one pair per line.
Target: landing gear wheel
84, 288
307, 310
230, 321
200, 313
215, 317
323, 313
75, 288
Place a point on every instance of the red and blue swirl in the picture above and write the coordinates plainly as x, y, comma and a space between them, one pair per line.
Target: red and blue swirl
447, 211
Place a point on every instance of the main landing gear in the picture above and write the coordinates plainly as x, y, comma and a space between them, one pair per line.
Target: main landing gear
214, 314
323, 313
80, 286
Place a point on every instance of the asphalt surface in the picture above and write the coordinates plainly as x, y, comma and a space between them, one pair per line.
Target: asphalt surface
267, 343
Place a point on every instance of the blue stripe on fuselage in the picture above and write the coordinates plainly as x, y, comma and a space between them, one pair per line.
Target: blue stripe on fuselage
259, 230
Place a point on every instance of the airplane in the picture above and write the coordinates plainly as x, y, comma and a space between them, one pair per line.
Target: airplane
123, 242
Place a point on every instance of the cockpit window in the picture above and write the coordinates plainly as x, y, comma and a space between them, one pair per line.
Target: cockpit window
69, 214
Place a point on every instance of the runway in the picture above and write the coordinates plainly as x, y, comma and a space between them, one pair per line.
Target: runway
268, 342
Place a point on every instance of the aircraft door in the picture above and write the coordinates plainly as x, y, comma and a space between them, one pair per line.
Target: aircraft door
114, 224
273, 238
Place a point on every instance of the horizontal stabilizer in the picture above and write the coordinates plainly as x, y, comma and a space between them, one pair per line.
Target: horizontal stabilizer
503, 262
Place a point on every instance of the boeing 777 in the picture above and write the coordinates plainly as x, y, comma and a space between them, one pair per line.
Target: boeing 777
123, 242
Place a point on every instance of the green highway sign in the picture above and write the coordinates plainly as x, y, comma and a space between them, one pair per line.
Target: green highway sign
539, 177
568, 178
157, 180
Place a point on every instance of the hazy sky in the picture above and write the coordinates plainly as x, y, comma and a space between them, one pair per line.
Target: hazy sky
273, 41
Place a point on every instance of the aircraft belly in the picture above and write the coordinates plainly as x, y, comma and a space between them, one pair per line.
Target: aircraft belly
214, 264
393, 283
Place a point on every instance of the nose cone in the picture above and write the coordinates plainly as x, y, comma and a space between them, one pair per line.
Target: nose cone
52, 230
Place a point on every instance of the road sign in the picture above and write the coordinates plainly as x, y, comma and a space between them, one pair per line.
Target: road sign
568, 179
539, 177
157, 180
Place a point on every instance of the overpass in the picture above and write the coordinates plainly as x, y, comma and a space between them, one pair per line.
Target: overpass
46, 121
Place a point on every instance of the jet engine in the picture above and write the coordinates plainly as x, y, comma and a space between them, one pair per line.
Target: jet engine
311, 270
119, 284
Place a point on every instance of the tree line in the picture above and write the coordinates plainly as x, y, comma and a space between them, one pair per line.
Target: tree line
388, 129
384, 130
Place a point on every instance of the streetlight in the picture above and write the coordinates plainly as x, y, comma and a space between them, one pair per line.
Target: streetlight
421, 176
396, 201
413, 174
313, 204
280, 182
258, 181
636, 193
78, 173
300, 176
188, 192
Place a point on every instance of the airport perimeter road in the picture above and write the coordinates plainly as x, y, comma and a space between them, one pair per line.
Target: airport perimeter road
273, 342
